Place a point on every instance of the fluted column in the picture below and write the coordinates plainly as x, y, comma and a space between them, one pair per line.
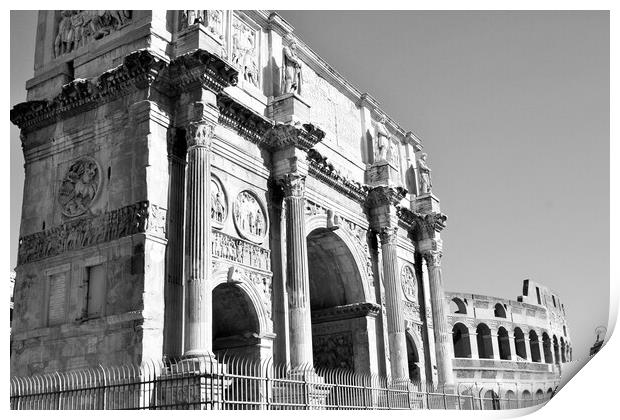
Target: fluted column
440, 321
198, 298
394, 303
297, 281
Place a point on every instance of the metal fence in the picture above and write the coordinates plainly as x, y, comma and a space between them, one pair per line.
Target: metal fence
238, 384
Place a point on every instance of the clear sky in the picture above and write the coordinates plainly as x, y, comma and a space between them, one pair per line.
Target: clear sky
513, 111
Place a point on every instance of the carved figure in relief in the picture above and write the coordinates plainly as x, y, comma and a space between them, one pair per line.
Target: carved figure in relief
424, 175
249, 217
292, 67
79, 187
77, 26
64, 39
382, 141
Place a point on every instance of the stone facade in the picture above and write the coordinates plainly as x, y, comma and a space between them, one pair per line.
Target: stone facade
200, 182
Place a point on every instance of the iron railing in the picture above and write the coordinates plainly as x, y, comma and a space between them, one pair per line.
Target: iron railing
236, 383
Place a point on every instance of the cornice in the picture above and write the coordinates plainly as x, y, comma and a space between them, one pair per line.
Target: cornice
203, 67
354, 310
302, 136
138, 71
247, 123
323, 170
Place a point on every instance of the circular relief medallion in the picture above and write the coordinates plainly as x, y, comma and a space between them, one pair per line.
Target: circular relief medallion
79, 187
407, 279
219, 206
249, 217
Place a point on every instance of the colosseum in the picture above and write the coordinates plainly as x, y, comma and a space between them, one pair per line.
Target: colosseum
201, 183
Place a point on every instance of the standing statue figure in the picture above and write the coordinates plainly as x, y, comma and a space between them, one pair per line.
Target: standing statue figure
424, 175
382, 141
292, 67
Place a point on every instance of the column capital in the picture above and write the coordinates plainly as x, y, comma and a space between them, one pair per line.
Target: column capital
433, 257
388, 235
383, 195
199, 134
293, 184
427, 226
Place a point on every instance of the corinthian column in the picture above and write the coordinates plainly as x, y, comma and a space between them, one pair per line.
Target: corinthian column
297, 282
394, 304
198, 308
443, 336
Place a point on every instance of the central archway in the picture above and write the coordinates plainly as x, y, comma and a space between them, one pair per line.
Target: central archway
343, 323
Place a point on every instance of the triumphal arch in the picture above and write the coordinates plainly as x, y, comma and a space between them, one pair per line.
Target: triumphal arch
202, 182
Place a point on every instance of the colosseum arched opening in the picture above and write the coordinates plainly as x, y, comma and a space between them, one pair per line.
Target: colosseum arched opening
503, 342
520, 347
534, 347
460, 340
484, 341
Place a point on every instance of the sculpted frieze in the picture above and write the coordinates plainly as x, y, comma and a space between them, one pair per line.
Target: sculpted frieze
79, 187
141, 217
243, 252
78, 27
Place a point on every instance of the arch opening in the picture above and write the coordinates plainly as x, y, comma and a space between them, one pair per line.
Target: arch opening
413, 360
457, 306
534, 346
520, 347
484, 340
236, 327
500, 311
556, 350
460, 341
503, 342
563, 350
547, 348
339, 338
491, 400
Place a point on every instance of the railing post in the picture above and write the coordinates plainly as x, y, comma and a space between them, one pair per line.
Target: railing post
445, 400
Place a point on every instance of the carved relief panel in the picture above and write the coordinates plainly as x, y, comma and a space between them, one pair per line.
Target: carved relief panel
245, 48
213, 20
79, 187
333, 351
219, 203
249, 217
408, 282
79, 27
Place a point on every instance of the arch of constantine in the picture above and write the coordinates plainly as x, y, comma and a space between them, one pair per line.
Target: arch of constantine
201, 182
